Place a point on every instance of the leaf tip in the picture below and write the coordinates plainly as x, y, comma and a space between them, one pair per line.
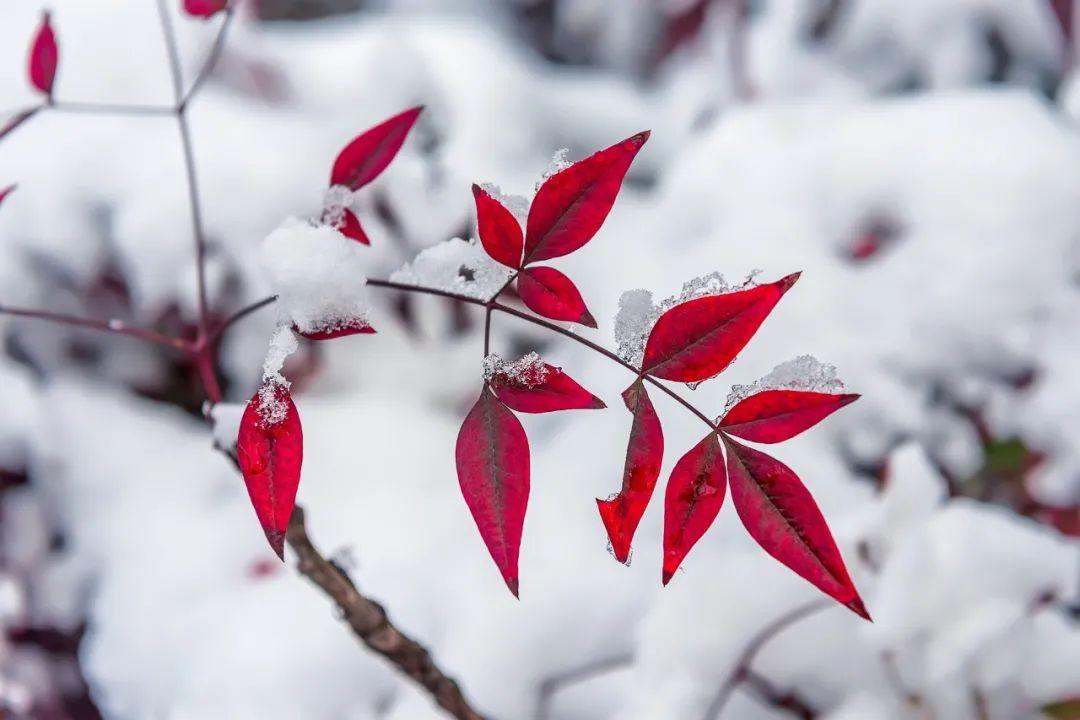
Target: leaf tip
849, 398
666, 576
784, 284
856, 606
277, 542
641, 138
611, 517
512, 585
587, 319
596, 404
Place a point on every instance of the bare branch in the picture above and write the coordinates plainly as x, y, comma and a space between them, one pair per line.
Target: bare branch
116, 327
555, 683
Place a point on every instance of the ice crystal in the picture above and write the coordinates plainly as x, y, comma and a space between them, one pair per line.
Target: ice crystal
336, 200
458, 266
528, 371
272, 408
802, 373
518, 205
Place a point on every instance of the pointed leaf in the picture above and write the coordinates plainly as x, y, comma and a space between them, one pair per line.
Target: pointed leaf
43, 57
368, 154
694, 495
493, 471
772, 416
551, 389
571, 205
644, 455
6, 191
352, 229
697, 339
780, 514
204, 8
270, 449
355, 328
17, 120
499, 230
548, 292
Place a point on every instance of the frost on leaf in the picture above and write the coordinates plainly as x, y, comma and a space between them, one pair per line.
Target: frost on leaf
792, 398
621, 513
271, 409
782, 517
457, 266
44, 55
557, 165
695, 493
318, 276
518, 205
531, 385
492, 457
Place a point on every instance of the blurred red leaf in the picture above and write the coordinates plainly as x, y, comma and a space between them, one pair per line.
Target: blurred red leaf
644, 455
499, 230
781, 515
204, 8
6, 191
571, 205
270, 450
368, 154
548, 292
694, 495
551, 390
351, 228
43, 57
772, 416
493, 470
697, 339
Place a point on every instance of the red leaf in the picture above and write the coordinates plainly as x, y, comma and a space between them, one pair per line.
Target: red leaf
572, 204
550, 390
499, 230
43, 57
204, 8
695, 493
548, 292
357, 328
644, 455
270, 449
493, 471
780, 514
772, 416
368, 154
6, 191
351, 228
17, 120
697, 339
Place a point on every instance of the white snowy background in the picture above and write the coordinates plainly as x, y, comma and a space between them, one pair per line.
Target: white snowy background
943, 131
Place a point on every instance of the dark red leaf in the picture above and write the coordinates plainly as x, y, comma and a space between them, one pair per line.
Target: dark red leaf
270, 449
356, 328
694, 495
549, 390
548, 292
780, 514
368, 154
352, 229
6, 191
572, 204
772, 416
17, 120
493, 471
644, 455
204, 8
697, 339
43, 57
499, 230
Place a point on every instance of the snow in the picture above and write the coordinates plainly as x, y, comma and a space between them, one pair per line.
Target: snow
804, 373
272, 406
528, 371
456, 266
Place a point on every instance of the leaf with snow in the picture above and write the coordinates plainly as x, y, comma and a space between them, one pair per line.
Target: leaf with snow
499, 230
572, 204
644, 455
782, 517
44, 56
368, 154
549, 293
456, 266
530, 385
204, 8
270, 450
350, 227
492, 458
695, 493
697, 339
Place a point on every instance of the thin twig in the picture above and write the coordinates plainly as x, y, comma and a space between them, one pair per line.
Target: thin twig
369, 622
211, 60
550, 686
240, 315
112, 109
115, 327
172, 51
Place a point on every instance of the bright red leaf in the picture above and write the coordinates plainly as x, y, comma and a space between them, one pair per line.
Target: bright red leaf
356, 328
352, 229
270, 449
697, 339
368, 154
548, 292
644, 455
499, 230
694, 495
493, 471
204, 8
43, 57
772, 416
780, 514
572, 204
548, 390
6, 191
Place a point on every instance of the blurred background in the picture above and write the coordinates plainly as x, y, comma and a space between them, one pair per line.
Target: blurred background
920, 163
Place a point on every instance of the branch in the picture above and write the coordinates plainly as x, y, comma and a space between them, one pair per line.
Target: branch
116, 327
553, 684
211, 60
369, 623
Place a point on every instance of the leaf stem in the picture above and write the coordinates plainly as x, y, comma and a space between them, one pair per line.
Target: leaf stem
116, 327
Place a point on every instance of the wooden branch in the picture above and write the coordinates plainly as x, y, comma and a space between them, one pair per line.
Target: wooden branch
369, 623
